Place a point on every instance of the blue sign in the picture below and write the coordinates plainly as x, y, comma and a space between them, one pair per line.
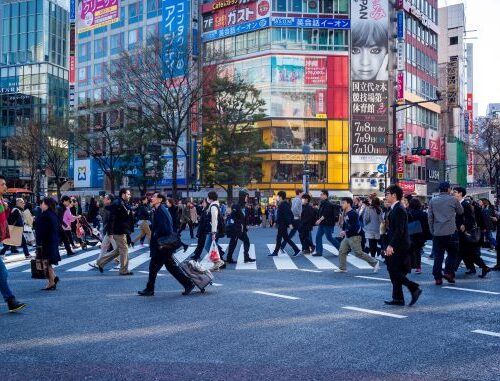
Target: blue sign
382, 168
175, 26
234, 30
306, 22
72, 10
401, 25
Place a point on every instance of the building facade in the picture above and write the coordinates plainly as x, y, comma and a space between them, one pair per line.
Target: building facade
33, 71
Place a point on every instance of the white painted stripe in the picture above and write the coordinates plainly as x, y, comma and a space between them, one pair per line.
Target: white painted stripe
241, 265
353, 260
217, 284
206, 263
85, 266
310, 271
74, 258
320, 262
375, 312
182, 255
372, 277
489, 333
276, 295
472, 290
282, 261
24, 262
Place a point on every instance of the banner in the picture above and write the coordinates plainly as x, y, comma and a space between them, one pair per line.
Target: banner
315, 71
308, 22
175, 26
82, 173
234, 30
235, 15
369, 81
96, 13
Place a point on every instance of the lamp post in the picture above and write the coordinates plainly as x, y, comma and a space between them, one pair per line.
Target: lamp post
306, 150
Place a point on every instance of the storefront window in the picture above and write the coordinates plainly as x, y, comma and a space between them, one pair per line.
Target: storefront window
295, 137
293, 173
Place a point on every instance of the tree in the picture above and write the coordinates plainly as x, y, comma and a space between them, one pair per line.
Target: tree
55, 153
230, 139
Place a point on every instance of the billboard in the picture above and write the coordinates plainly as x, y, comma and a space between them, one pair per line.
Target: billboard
369, 81
234, 30
93, 14
175, 26
309, 22
82, 173
235, 14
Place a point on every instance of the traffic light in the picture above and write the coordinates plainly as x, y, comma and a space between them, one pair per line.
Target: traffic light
420, 151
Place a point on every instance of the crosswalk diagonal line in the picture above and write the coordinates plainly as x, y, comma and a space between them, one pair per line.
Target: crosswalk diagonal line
74, 258
85, 266
137, 261
320, 263
181, 255
351, 259
241, 265
25, 262
427, 261
282, 261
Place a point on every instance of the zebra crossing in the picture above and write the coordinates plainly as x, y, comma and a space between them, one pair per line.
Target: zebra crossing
139, 260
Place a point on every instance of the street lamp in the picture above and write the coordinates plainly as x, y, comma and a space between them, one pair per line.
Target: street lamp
306, 150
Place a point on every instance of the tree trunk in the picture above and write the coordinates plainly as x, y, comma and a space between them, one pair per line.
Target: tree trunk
174, 171
111, 177
230, 194
58, 188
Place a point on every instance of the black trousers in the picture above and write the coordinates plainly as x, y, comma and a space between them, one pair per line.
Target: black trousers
470, 253
157, 262
66, 237
398, 266
296, 228
305, 239
190, 224
200, 246
283, 236
243, 237
373, 245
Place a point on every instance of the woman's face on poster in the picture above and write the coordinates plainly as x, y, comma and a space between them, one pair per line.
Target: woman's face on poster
369, 63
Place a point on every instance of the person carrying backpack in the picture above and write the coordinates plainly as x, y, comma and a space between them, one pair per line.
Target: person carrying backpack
214, 227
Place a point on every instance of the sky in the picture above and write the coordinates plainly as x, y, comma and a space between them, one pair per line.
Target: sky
483, 16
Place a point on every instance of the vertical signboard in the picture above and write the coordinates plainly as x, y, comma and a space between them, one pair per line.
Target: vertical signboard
72, 52
369, 81
175, 25
93, 14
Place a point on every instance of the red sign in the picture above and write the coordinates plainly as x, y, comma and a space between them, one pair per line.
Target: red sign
230, 16
434, 148
400, 162
315, 71
72, 69
400, 92
470, 103
320, 101
263, 8
407, 186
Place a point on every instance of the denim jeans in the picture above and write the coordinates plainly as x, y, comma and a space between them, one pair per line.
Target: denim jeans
328, 231
208, 242
440, 244
4, 286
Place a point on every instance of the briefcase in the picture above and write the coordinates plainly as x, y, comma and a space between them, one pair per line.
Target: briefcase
39, 266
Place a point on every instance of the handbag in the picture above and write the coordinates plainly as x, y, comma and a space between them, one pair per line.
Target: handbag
169, 242
39, 265
16, 236
415, 227
214, 255
473, 235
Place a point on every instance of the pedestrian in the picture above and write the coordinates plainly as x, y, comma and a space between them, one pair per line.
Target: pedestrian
163, 226
308, 218
296, 211
175, 213
284, 219
28, 227
328, 217
119, 228
16, 218
351, 234
143, 213
372, 218
47, 240
200, 231
106, 241
488, 240
213, 226
443, 210
469, 252
12, 303
398, 250
64, 229
186, 218
93, 211
75, 211
193, 213
239, 214
417, 216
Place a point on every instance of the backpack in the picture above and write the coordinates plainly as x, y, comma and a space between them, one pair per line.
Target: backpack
221, 227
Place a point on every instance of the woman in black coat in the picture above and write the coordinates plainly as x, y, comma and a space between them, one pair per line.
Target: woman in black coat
47, 238
415, 213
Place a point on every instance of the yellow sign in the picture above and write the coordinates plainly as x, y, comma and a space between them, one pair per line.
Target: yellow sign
400, 176
321, 116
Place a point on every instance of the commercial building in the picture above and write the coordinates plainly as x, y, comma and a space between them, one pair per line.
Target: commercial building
297, 54
33, 71
493, 110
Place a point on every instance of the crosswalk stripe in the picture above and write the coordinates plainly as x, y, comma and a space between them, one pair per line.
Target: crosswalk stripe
75, 258
241, 265
85, 266
282, 261
25, 262
321, 263
353, 260
136, 261
181, 255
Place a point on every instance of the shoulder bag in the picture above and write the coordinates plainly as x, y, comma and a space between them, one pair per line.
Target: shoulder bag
473, 235
39, 265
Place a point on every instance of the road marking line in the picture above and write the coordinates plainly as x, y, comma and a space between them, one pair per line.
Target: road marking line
217, 284
282, 261
241, 265
74, 258
372, 277
85, 266
139, 260
181, 256
375, 312
320, 262
489, 333
351, 258
471, 290
276, 295
311, 271
18, 263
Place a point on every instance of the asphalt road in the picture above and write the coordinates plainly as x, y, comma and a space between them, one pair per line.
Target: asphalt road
266, 323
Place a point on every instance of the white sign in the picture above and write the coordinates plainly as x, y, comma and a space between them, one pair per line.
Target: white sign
181, 168
401, 56
81, 173
359, 159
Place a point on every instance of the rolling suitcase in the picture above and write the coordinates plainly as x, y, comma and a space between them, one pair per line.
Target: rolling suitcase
193, 270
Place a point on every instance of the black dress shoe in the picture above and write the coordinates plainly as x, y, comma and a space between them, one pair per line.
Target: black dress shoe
188, 289
394, 302
484, 272
415, 295
185, 247
146, 292
250, 260
449, 278
56, 280
127, 273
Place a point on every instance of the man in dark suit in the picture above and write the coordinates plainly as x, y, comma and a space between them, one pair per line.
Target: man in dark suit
398, 250
284, 218
469, 252
162, 226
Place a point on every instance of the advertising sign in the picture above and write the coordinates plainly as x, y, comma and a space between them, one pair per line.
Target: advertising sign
235, 15
82, 173
234, 30
470, 167
401, 25
400, 87
400, 56
307, 22
407, 186
369, 81
175, 25
96, 13
470, 102
320, 103
287, 69
72, 68
168, 171
315, 71
72, 10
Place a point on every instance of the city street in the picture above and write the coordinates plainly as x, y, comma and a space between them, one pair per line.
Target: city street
284, 319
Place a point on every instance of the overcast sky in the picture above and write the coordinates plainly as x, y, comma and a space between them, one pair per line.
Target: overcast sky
483, 16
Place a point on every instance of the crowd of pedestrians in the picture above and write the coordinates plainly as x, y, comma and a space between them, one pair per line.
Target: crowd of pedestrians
393, 230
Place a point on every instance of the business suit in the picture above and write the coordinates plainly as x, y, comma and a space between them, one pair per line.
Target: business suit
284, 219
162, 226
399, 263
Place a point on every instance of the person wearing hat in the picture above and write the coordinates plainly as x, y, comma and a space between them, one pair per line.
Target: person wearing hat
239, 216
442, 213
